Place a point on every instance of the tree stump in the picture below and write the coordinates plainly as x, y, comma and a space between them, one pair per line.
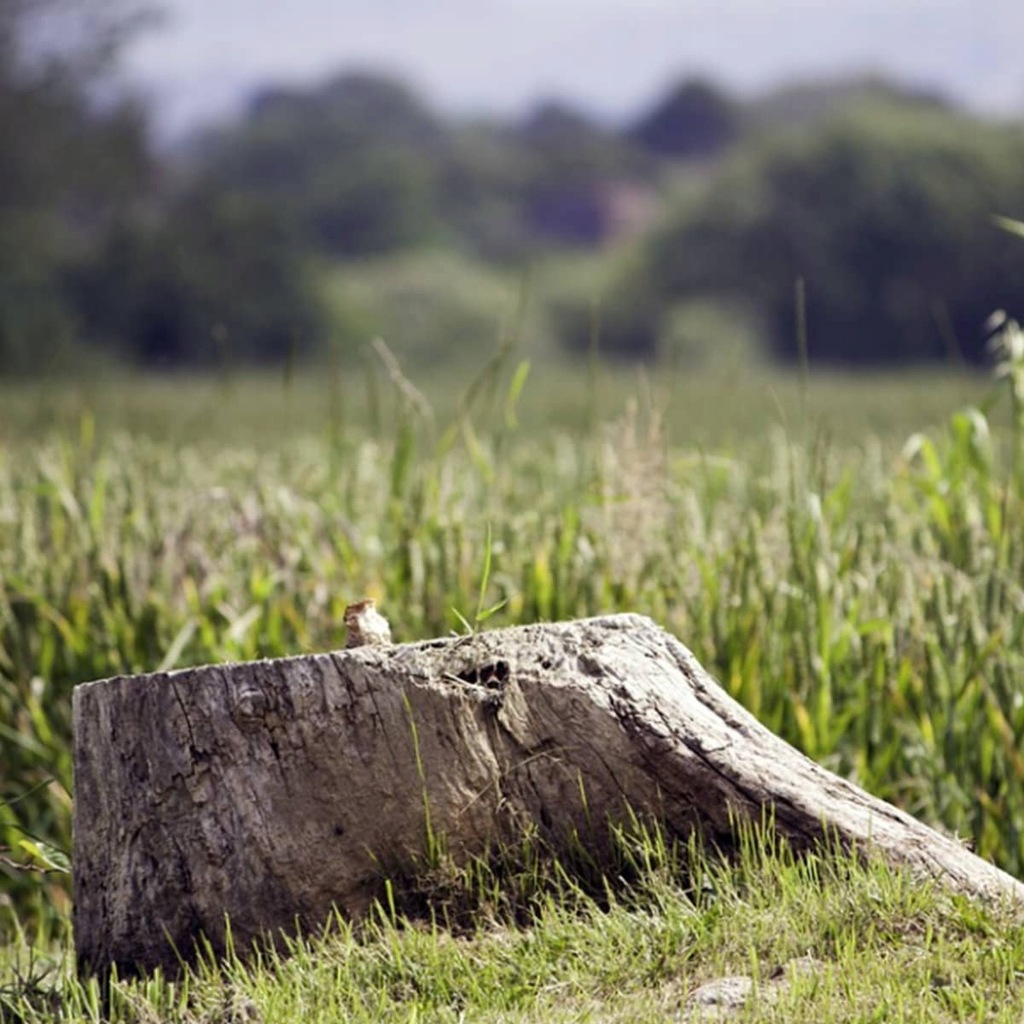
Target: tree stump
270, 793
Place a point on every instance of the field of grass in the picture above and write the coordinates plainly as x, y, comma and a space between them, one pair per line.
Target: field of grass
728, 412
847, 558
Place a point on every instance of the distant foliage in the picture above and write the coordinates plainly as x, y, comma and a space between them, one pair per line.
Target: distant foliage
432, 309
216, 281
885, 214
98, 262
879, 200
363, 168
348, 163
815, 101
575, 167
69, 166
695, 119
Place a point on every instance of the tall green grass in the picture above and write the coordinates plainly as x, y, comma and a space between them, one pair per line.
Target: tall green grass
864, 602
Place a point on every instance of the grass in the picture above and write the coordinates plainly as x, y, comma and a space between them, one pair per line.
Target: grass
846, 560
717, 411
823, 938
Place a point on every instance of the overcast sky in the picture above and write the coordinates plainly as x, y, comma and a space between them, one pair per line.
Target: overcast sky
608, 56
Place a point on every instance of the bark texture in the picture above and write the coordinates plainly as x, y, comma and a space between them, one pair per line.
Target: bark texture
271, 792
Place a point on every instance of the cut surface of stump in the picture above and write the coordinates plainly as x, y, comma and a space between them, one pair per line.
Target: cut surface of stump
269, 793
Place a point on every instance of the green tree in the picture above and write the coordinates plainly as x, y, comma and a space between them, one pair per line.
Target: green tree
72, 157
351, 163
695, 119
575, 164
363, 168
217, 280
885, 214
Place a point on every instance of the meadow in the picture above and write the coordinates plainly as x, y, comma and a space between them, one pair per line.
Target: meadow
845, 554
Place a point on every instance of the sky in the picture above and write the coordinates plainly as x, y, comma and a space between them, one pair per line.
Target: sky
610, 57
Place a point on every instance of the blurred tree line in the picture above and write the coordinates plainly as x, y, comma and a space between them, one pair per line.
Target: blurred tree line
873, 234
104, 257
266, 239
68, 167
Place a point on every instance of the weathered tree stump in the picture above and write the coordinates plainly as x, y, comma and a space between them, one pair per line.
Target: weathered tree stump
269, 793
